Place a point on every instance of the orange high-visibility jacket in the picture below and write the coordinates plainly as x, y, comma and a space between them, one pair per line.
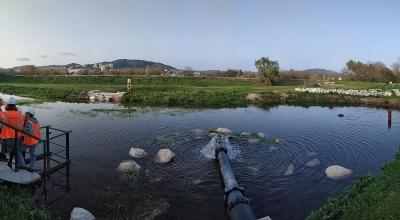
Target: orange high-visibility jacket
14, 118
36, 132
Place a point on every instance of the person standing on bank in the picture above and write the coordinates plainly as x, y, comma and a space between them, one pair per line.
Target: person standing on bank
32, 127
3, 157
14, 118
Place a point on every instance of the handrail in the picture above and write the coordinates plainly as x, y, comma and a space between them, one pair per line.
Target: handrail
21, 131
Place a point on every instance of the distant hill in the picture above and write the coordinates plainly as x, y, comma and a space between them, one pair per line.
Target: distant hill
320, 71
117, 64
125, 63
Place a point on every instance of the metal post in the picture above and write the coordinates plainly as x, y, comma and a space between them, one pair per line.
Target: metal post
47, 146
238, 206
44, 172
68, 160
16, 150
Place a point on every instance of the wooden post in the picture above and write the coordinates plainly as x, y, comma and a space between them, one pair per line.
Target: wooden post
389, 118
129, 84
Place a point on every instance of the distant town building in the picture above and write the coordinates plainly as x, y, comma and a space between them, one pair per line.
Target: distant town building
197, 74
74, 70
106, 67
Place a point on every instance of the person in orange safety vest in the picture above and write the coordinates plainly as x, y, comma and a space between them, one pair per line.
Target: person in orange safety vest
15, 118
32, 127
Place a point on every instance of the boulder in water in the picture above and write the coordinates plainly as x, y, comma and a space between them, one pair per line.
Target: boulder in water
253, 96
128, 166
336, 172
340, 115
289, 170
260, 135
224, 131
212, 134
245, 134
278, 141
137, 153
265, 218
81, 214
313, 163
164, 156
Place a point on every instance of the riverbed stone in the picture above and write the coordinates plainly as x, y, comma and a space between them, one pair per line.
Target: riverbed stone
278, 141
265, 218
253, 96
137, 153
313, 163
212, 134
128, 166
81, 214
289, 170
245, 134
164, 156
260, 135
224, 131
336, 172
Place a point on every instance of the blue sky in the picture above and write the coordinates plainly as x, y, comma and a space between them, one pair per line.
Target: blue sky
203, 34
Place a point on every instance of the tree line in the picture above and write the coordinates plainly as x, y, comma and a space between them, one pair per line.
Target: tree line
270, 74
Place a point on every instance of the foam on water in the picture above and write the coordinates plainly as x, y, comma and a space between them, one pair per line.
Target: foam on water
209, 150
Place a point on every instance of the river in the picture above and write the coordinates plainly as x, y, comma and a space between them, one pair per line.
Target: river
190, 186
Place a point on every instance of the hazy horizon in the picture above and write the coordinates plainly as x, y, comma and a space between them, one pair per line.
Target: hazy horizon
204, 35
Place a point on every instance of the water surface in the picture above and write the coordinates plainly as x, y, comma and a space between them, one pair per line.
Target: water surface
190, 187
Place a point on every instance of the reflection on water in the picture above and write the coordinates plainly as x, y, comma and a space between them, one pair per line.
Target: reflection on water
190, 186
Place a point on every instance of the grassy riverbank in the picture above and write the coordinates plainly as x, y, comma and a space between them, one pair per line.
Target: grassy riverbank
20, 206
367, 198
187, 91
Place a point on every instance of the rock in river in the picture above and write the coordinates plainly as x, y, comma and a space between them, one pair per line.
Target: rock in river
137, 153
212, 134
164, 156
253, 96
246, 134
313, 163
260, 135
337, 172
277, 141
224, 131
128, 166
81, 214
289, 170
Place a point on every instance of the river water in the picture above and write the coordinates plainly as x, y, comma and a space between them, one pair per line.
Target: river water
190, 186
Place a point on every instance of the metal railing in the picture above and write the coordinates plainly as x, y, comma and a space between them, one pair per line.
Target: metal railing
46, 155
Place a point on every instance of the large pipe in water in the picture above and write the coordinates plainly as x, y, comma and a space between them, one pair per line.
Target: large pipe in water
238, 206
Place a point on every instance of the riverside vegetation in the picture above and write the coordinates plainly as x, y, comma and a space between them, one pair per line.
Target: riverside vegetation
189, 91
18, 205
369, 197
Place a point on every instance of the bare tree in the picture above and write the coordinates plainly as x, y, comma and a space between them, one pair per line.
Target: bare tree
396, 68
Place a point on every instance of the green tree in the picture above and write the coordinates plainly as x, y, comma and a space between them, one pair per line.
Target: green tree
268, 70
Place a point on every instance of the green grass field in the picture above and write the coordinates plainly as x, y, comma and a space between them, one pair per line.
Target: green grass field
368, 197
19, 205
